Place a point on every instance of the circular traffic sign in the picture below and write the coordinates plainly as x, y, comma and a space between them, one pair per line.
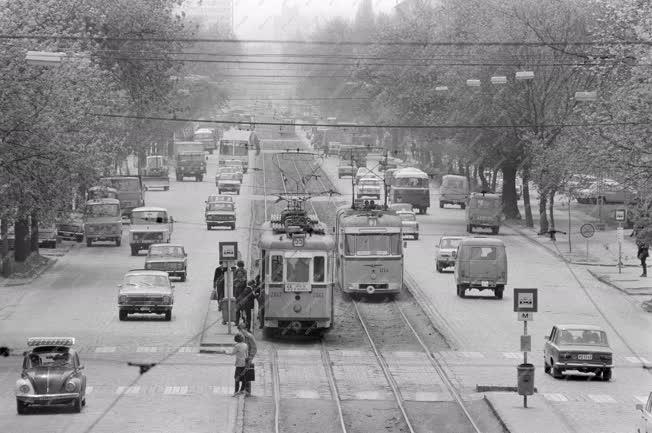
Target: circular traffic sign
587, 230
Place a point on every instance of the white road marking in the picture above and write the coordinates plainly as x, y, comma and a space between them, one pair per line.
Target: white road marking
89, 389
471, 354
555, 397
306, 393
367, 395
431, 396
602, 398
145, 349
223, 390
128, 390
176, 390
641, 398
513, 355
105, 349
188, 349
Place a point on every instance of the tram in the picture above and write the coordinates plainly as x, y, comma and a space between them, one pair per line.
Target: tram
410, 185
369, 249
297, 272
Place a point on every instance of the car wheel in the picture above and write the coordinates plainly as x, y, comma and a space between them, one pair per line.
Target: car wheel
118, 242
498, 292
168, 315
134, 251
463, 206
416, 237
438, 267
201, 178
89, 242
122, 314
556, 372
208, 226
461, 291
219, 191
84, 401
166, 188
546, 367
441, 205
77, 405
79, 239
494, 230
233, 227
606, 374
21, 407
469, 228
182, 278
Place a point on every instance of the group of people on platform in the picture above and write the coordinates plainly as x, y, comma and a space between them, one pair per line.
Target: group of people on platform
245, 292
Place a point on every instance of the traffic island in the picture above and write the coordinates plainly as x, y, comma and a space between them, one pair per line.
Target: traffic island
26, 272
538, 417
628, 281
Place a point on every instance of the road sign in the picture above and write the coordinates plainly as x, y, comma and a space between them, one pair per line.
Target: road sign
620, 214
619, 234
525, 300
587, 230
526, 341
228, 251
525, 316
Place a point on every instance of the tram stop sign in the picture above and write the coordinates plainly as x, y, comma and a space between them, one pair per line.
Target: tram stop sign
228, 251
525, 300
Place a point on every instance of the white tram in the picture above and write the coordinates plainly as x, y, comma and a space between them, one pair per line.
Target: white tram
369, 250
297, 272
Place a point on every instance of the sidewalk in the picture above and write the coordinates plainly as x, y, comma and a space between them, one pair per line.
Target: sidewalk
538, 417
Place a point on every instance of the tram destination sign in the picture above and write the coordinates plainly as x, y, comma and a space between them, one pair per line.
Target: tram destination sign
525, 300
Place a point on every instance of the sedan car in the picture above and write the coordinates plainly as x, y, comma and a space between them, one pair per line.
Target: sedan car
582, 348
409, 223
72, 228
220, 214
610, 191
228, 182
145, 291
47, 236
446, 252
51, 375
171, 258
216, 198
237, 170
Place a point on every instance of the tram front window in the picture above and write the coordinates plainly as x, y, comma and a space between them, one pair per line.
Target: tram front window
318, 269
375, 244
298, 270
277, 269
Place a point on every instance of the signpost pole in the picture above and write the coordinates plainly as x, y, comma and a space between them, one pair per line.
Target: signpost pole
229, 292
569, 224
587, 249
620, 248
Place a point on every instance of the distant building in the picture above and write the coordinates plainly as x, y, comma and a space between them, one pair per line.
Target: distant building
408, 8
211, 12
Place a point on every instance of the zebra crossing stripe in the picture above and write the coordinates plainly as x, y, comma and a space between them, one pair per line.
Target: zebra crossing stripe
601, 398
513, 355
223, 390
176, 390
188, 349
89, 389
555, 397
146, 349
105, 349
471, 354
641, 398
128, 390
306, 393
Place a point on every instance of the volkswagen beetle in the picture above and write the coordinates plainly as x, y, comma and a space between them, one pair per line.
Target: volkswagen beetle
51, 375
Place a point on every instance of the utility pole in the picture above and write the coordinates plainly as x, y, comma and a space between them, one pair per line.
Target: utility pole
385, 179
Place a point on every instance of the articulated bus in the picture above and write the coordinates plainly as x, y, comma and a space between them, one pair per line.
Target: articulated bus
410, 185
297, 272
369, 250
236, 144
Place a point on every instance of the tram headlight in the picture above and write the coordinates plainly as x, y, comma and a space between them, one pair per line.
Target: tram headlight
373, 276
297, 308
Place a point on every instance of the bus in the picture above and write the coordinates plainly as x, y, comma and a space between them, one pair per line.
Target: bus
410, 185
369, 250
236, 144
207, 137
297, 257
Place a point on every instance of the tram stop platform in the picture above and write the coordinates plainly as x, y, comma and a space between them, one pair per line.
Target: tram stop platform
538, 417
215, 335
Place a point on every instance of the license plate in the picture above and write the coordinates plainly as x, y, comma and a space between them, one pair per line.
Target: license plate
297, 287
485, 284
585, 357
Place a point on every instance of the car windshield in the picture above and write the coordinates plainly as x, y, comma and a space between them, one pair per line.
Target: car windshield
582, 337
228, 176
450, 243
238, 148
221, 207
411, 182
458, 184
485, 203
407, 216
219, 198
165, 250
149, 217
51, 357
146, 280
102, 210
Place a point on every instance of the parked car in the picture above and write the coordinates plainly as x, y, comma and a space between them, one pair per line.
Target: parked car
171, 258
481, 264
610, 191
145, 291
582, 348
446, 252
47, 236
409, 223
51, 375
72, 228
645, 422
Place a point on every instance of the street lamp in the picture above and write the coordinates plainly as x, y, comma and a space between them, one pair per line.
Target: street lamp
44, 58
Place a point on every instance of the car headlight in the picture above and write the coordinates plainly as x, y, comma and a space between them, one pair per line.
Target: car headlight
71, 386
122, 299
166, 299
24, 388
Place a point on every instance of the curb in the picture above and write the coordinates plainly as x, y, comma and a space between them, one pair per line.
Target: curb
606, 281
497, 415
498, 388
239, 416
50, 263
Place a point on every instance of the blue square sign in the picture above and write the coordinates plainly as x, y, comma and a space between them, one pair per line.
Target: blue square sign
525, 300
228, 251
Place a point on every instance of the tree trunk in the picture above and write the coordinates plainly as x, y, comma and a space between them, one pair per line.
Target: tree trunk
529, 221
551, 211
543, 219
21, 242
33, 243
483, 179
510, 207
494, 179
4, 248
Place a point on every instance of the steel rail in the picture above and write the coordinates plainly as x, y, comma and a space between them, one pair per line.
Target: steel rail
385, 368
331, 381
441, 372
276, 389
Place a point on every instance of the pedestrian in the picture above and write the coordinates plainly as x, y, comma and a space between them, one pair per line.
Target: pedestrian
250, 341
239, 286
643, 254
260, 297
218, 284
241, 354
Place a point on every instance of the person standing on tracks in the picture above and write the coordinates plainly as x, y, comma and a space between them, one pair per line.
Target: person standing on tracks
250, 341
239, 286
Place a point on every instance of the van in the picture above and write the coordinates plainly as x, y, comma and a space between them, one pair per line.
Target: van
454, 190
485, 211
481, 264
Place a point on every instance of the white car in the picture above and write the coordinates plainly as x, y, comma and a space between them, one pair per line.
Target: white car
446, 252
409, 223
645, 422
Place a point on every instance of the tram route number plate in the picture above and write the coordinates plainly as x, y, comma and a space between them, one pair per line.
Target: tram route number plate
297, 287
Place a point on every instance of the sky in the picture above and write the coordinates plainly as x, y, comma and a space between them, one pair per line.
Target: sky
253, 18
